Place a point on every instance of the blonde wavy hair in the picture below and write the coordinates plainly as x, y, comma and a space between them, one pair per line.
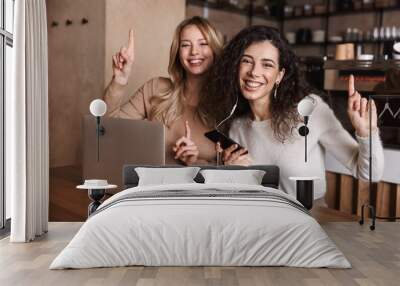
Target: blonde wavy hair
168, 105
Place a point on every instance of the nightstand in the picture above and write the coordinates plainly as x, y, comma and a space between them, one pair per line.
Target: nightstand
305, 190
96, 190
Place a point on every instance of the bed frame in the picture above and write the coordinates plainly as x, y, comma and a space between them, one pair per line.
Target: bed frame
130, 178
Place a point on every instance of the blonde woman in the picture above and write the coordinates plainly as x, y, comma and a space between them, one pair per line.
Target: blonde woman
172, 101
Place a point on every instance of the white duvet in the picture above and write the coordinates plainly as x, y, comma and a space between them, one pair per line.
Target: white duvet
200, 231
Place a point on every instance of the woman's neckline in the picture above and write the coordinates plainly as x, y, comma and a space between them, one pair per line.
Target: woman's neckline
257, 122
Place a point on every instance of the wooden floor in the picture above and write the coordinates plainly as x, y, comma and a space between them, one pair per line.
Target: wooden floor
375, 257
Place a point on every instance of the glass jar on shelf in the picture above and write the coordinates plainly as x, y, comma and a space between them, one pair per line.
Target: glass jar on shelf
288, 11
307, 9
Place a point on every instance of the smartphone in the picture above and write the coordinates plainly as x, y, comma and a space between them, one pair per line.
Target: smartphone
216, 136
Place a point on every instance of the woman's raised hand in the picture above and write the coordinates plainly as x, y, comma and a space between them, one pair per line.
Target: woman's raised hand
232, 157
185, 149
358, 111
123, 61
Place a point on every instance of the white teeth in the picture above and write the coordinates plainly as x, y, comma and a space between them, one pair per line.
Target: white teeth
252, 84
195, 61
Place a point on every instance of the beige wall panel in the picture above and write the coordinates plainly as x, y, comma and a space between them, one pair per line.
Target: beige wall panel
76, 72
383, 199
154, 23
398, 201
346, 194
362, 196
331, 196
194, 10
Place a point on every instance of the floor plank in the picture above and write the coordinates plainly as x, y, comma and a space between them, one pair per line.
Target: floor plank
374, 255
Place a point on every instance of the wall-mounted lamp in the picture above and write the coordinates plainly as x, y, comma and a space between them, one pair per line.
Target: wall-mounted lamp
98, 108
396, 51
68, 22
396, 47
54, 24
84, 21
305, 108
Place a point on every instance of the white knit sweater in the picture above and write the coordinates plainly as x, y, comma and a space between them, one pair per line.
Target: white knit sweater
326, 134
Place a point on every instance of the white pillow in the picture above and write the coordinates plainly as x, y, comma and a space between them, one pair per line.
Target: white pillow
162, 176
248, 177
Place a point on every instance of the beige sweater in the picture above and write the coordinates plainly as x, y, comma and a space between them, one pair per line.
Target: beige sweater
326, 135
139, 105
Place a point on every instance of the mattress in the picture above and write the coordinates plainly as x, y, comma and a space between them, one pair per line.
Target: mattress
201, 225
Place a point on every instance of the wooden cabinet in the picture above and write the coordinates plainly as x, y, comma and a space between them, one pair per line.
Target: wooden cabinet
348, 194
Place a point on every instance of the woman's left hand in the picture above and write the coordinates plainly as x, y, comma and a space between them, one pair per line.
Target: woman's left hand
185, 149
232, 156
358, 111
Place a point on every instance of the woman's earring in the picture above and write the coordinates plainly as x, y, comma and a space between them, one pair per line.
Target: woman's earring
276, 89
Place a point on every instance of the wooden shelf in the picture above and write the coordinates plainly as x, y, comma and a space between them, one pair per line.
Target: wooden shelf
231, 9
382, 65
218, 6
344, 42
362, 11
307, 44
341, 13
363, 42
304, 17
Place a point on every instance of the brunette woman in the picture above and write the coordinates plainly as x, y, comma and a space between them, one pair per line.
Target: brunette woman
259, 69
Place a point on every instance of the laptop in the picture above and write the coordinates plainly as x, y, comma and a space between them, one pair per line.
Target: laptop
125, 141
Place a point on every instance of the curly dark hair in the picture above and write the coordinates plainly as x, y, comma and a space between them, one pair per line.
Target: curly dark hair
220, 94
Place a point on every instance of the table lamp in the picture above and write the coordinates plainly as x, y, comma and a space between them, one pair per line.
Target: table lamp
305, 108
98, 108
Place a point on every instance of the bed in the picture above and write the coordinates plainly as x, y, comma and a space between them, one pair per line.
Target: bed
201, 224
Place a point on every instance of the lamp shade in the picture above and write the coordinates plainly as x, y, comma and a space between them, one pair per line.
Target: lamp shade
98, 107
305, 107
396, 47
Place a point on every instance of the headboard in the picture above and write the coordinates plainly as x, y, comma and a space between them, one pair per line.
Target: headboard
130, 178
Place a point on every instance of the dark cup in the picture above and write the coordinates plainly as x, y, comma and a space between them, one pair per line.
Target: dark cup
303, 35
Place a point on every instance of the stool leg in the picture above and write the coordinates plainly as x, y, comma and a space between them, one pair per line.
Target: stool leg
95, 195
361, 222
93, 207
305, 193
373, 215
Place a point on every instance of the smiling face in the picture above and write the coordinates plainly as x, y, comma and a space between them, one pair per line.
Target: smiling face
195, 54
259, 71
